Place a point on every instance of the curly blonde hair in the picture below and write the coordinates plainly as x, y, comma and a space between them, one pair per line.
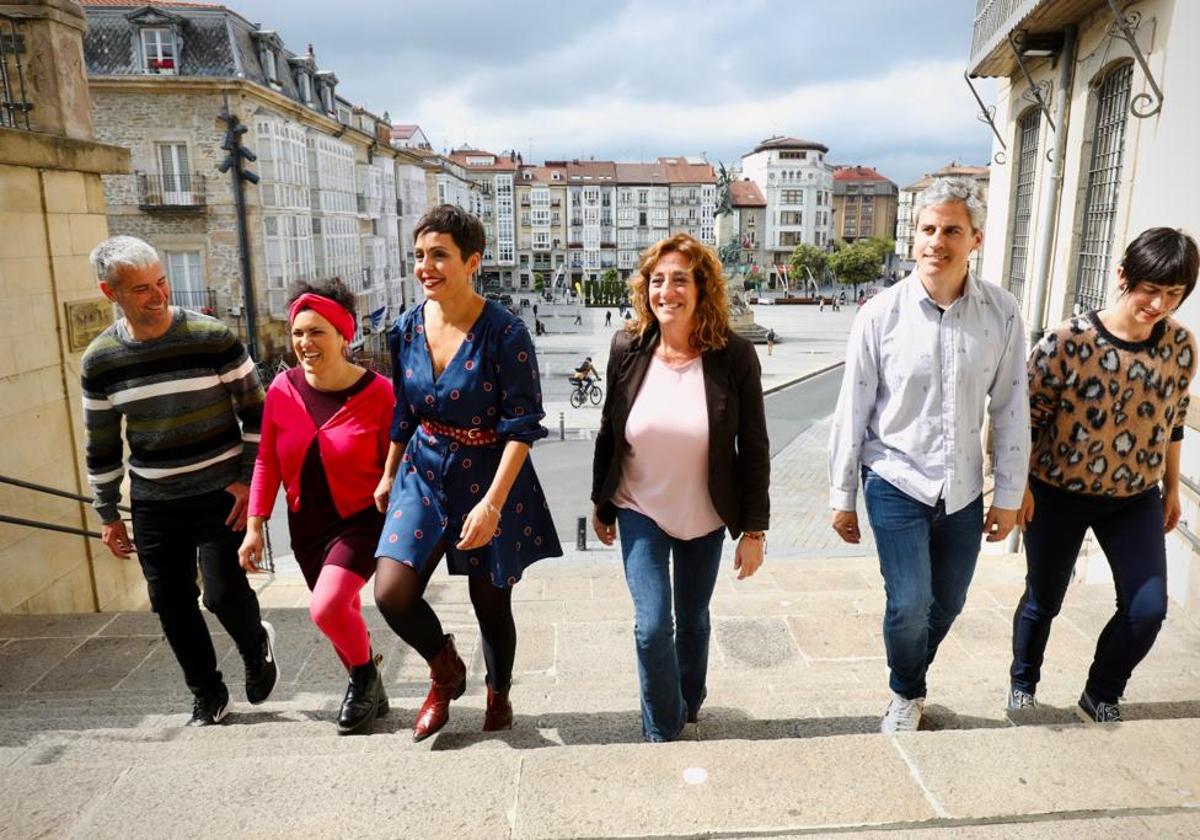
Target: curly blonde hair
711, 329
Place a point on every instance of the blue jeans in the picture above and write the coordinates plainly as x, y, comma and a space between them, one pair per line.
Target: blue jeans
927, 559
672, 660
1130, 531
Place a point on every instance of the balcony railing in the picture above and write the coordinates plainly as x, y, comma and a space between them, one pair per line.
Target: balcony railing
14, 106
197, 300
182, 191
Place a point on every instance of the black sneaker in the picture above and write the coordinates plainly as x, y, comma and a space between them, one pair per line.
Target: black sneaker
262, 674
210, 709
1097, 711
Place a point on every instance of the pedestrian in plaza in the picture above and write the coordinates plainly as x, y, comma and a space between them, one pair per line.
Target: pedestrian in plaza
325, 436
578, 317
608, 317
191, 403
681, 456
1108, 391
771, 339
458, 481
924, 359
821, 303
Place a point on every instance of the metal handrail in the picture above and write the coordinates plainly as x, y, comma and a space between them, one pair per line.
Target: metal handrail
50, 491
269, 554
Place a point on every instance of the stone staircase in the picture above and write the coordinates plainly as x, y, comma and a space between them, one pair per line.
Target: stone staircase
92, 744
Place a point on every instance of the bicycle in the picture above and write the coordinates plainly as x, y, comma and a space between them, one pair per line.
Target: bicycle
583, 390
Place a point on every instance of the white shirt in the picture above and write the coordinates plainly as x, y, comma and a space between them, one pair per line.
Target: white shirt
916, 384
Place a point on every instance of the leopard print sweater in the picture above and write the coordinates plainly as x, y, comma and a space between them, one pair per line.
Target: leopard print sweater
1105, 410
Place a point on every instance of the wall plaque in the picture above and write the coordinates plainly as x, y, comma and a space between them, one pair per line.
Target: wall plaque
86, 319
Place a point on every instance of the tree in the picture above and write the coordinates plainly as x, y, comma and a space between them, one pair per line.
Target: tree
611, 282
539, 282
806, 259
882, 246
857, 263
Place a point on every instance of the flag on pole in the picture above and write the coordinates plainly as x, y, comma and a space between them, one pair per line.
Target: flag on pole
377, 317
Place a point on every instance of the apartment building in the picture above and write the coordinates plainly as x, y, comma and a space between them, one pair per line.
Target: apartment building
326, 200
542, 224
643, 211
591, 207
693, 196
494, 180
864, 204
797, 183
750, 223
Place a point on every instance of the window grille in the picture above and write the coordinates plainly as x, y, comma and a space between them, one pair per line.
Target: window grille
1027, 153
1103, 188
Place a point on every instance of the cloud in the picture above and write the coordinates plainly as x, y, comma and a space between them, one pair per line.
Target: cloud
878, 81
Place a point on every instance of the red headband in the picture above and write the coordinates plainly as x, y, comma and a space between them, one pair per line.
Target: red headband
330, 310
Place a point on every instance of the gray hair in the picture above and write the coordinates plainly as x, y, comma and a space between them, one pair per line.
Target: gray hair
118, 252
948, 190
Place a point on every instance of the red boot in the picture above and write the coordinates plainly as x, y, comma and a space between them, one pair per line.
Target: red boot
449, 678
499, 714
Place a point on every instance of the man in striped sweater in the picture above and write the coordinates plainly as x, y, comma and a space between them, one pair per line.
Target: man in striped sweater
192, 406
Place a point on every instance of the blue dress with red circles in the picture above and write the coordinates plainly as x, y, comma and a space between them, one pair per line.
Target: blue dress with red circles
491, 384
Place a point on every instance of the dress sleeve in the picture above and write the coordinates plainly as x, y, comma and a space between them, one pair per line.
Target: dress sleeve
521, 411
404, 422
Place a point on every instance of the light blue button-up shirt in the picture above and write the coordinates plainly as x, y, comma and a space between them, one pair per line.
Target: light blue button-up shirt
916, 385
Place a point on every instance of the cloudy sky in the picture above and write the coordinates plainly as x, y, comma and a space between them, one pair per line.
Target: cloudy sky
878, 81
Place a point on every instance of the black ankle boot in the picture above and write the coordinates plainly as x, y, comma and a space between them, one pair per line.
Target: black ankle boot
365, 699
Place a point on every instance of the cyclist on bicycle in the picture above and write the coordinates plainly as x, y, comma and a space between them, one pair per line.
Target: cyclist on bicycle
585, 372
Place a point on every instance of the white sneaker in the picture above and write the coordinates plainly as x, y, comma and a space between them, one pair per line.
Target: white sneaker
902, 715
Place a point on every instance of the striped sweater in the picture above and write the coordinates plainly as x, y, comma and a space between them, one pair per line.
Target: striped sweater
182, 397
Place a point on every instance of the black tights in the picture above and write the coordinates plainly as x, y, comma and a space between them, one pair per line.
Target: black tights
400, 596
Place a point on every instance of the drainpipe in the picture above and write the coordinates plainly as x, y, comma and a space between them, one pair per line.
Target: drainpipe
1051, 193
1052, 188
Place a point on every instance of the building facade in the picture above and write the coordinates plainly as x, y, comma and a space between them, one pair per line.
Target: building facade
493, 189
798, 185
542, 225
326, 201
1119, 102
750, 223
864, 204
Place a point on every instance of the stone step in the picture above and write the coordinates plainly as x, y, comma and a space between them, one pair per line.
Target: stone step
526, 785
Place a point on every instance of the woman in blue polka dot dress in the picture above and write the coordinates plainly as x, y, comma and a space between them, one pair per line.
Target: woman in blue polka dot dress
458, 481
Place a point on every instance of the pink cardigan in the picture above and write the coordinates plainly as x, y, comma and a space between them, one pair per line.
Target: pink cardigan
354, 444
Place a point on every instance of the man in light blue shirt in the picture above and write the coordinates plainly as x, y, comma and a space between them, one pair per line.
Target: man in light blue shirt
925, 359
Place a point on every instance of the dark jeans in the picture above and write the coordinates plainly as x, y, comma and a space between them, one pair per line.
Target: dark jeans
672, 655
1130, 530
927, 558
170, 536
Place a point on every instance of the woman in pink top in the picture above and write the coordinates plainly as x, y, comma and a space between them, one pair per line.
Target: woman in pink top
325, 437
682, 455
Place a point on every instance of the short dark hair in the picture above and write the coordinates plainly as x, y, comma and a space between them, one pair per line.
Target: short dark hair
466, 230
1163, 256
333, 288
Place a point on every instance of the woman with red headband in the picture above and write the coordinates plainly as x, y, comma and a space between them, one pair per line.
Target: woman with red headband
325, 437
458, 481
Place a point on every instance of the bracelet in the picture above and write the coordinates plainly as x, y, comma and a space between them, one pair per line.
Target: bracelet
492, 508
754, 535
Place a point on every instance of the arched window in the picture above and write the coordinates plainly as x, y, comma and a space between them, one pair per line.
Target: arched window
1028, 127
1103, 188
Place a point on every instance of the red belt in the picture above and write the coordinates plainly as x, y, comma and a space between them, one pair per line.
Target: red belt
467, 437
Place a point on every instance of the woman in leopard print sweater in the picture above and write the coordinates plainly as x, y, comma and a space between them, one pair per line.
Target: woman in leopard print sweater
1108, 394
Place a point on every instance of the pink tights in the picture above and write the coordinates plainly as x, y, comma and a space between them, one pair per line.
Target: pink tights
336, 609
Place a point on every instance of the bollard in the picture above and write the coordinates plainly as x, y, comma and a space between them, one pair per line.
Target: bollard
562, 426
581, 533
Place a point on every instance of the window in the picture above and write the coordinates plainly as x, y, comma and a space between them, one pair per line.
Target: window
791, 217
1103, 187
1027, 153
306, 94
267, 57
173, 170
792, 197
159, 51
187, 283
793, 155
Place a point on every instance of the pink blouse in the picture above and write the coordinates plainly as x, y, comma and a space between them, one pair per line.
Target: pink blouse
664, 475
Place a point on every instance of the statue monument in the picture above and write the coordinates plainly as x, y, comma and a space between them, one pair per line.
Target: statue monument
734, 261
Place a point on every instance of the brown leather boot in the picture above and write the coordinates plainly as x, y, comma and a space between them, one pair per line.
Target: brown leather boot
499, 714
449, 680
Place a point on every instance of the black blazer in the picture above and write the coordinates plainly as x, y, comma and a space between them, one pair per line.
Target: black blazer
739, 454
